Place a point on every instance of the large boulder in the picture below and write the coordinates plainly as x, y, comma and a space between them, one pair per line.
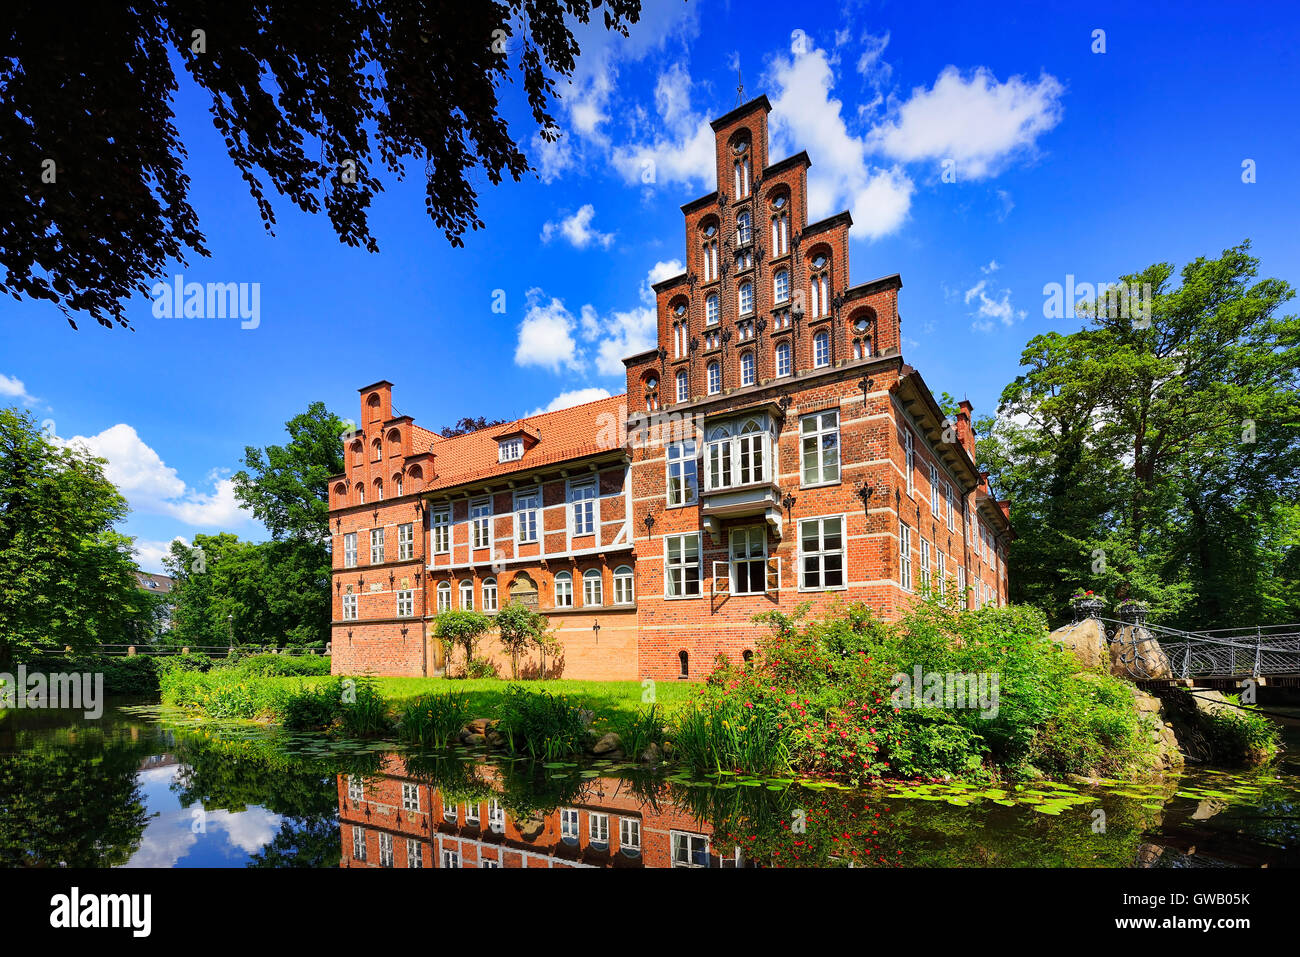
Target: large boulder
1135, 654
1086, 641
608, 743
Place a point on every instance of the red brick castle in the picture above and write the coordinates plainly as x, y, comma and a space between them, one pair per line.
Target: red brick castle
774, 449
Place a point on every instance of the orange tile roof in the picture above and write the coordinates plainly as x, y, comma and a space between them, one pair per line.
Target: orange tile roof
565, 434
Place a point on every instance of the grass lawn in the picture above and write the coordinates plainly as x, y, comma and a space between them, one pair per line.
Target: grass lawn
607, 699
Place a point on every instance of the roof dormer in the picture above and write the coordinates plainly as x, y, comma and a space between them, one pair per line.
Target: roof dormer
512, 444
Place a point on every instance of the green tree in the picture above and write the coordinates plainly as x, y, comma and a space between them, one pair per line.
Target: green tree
519, 628
464, 628
287, 486
1149, 456
66, 577
326, 101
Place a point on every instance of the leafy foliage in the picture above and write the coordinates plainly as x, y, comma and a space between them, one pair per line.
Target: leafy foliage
1160, 461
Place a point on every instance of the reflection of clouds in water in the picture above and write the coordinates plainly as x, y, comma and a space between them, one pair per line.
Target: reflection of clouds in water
249, 830
168, 837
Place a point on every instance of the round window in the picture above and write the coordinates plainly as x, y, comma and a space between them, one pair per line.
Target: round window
710, 229
651, 384
861, 324
779, 202
741, 146
819, 261
680, 309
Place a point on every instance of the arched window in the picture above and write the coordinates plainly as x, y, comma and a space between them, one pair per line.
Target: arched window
444, 597
394, 437
821, 350
467, 595
340, 493
415, 472
741, 167
379, 490
819, 293
683, 386
780, 225
372, 403
745, 298
782, 358
377, 449
860, 331
781, 286
361, 494
747, 368
747, 656
563, 590
489, 594
709, 251
744, 229
358, 453
715, 378
623, 589
685, 660
397, 484
711, 314
593, 588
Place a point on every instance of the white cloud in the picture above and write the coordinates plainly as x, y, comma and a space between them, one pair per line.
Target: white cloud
682, 151
149, 554
13, 388
992, 310
992, 267
546, 335
806, 116
552, 337
976, 121
571, 398
150, 485
577, 229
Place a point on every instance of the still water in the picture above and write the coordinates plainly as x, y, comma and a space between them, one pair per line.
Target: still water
144, 788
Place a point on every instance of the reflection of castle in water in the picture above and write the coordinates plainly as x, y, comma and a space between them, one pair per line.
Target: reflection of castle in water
394, 820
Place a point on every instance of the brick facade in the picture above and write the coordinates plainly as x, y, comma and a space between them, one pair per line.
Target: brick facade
774, 450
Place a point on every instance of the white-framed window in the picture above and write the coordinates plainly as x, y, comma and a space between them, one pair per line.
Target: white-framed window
449, 813
582, 507
466, 595
689, 850
744, 228
819, 448
947, 500
781, 286
356, 789
569, 829
934, 490
783, 364
471, 814
961, 586
358, 843
480, 519
376, 546
821, 553
925, 566
441, 531
682, 565
711, 311
905, 556
970, 520
444, 597
909, 459
487, 862
624, 591
510, 450
748, 551
451, 859
563, 590
414, 853
819, 298
377, 448
598, 828
496, 817
405, 603
683, 475
397, 484
821, 350
526, 507
361, 494
489, 594
741, 170
350, 550
715, 378
349, 607
738, 456
629, 834
941, 571
780, 234
745, 297
683, 386
410, 797
385, 849
406, 541
747, 368
593, 587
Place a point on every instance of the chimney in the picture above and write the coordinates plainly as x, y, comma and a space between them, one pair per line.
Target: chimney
965, 433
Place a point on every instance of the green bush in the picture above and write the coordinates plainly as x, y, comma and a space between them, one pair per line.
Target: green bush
541, 724
641, 729
317, 708
480, 668
433, 720
1239, 735
275, 666
364, 712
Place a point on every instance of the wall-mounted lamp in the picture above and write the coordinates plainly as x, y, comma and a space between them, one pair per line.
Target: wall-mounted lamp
596, 628
649, 524
864, 492
788, 502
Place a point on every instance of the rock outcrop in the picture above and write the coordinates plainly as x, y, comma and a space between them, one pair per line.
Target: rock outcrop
1086, 641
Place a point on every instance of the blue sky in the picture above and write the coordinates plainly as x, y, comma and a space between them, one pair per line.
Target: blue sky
1066, 162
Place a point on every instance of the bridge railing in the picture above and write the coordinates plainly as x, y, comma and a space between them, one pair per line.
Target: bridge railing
1224, 652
